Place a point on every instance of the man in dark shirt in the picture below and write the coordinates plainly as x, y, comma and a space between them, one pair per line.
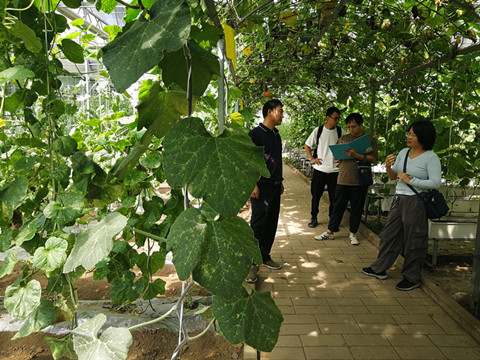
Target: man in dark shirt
265, 198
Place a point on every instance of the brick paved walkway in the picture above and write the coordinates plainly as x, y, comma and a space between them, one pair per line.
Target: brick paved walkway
333, 311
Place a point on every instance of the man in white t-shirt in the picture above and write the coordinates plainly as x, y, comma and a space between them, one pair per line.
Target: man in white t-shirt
325, 168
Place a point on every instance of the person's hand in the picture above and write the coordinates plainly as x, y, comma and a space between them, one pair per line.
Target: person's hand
350, 152
404, 177
317, 161
255, 193
390, 159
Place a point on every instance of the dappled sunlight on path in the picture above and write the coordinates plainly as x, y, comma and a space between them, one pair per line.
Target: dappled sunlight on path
333, 311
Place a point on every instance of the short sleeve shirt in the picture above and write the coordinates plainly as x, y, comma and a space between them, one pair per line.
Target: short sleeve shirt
348, 174
327, 137
271, 142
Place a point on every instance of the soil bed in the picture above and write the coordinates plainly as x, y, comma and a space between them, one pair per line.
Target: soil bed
147, 345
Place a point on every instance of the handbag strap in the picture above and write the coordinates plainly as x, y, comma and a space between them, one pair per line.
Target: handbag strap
405, 171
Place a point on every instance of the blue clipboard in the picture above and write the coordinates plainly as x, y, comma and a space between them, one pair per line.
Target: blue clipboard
361, 145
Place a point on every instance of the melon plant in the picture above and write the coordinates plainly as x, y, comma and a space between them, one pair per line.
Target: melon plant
72, 183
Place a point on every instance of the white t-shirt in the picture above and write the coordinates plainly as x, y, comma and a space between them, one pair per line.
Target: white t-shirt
327, 137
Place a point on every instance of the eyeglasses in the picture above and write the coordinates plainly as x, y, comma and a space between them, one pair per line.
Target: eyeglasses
409, 134
336, 118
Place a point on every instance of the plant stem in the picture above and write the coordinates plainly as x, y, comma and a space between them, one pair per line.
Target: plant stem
174, 307
203, 332
147, 234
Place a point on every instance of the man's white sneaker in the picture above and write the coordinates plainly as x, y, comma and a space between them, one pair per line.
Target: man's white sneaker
324, 236
353, 239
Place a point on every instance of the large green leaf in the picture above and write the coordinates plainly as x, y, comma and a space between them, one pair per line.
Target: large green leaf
65, 145
38, 319
108, 6
61, 347
153, 211
68, 207
204, 66
153, 289
29, 229
161, 110
253, 319
21, 300
51, 256
125, 289
82, 164
222, 170
218, 253
11, 196
113, 344
28, 36
142, 46
5, 240
93, 244
9, 263
73, 51
16, 73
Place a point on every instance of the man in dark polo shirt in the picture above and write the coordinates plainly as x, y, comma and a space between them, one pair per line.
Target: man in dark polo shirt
265, 198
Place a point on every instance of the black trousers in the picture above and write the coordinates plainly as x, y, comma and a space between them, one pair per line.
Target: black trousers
356, 196
265, 212
319, 180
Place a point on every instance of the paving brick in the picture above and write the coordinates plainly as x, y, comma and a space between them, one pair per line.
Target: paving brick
422, 329
350, 309
335, 319
313, 310
289, 341
453, 341
409, 340
424, 309
345, 301
413, 319
309, 301
419, 353
376, 352
322, 340
299, 319
330, 352
417, 301
340, 329
324, 293
374, 319
387, 309
380, 301
455, 353
380, 329
366, 340
448, 324
284, 353
299, 329
361, 294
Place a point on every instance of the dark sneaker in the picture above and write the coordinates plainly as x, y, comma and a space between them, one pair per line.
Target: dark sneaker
369, 271
406, 285
313, 223
272, 265
253, 274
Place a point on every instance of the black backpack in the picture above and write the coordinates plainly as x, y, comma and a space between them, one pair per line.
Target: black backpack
319, 132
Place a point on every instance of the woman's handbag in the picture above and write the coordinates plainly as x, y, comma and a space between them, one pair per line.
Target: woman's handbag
365, 177
435, 204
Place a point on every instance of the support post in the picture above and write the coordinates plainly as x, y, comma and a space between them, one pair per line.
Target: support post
475, 284
372, 109
221, 86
